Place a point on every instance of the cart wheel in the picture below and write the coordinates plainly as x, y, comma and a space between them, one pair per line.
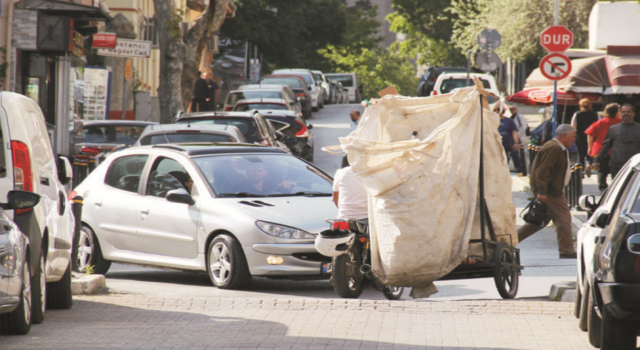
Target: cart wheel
505, 272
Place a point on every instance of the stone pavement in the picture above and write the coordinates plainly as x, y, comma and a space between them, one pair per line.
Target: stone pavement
151, 322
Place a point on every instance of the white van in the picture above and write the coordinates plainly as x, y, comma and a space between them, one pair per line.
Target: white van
27, 163
350, 82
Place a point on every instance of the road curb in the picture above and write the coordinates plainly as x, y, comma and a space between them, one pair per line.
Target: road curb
83, 284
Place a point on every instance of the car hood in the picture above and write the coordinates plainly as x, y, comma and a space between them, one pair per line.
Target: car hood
305, 213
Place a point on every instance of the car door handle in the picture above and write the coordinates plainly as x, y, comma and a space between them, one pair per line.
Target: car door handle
98, 204
44, 181
144, 211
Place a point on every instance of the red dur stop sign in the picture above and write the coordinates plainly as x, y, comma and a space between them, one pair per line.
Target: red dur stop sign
556, 38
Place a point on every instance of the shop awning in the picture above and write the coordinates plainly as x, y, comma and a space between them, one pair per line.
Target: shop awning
76, 11
624, 74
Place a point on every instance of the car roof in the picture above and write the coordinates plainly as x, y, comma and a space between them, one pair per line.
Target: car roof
267, 87
162, 128
215, 114
261, 100
285, 112
116, 122
203, 149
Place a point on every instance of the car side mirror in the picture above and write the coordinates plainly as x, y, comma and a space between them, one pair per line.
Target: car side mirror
65, 172
180, 195
602, 219
587, 203
633, 244
309, 126
20, 200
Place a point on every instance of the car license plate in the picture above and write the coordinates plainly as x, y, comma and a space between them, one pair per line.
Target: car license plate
326, 268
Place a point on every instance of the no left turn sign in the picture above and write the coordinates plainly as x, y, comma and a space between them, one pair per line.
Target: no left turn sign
555, 66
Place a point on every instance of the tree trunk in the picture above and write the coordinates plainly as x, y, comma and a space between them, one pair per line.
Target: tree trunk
196, 40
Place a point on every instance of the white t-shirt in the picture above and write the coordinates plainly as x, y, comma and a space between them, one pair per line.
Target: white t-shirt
352, 198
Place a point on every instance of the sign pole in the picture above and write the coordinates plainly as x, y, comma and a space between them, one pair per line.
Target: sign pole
555, 108
124, 92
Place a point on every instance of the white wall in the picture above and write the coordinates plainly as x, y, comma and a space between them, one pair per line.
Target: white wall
615, 23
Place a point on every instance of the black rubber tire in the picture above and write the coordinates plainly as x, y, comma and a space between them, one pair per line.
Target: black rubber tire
59, 295
18, 322
226, 264
617, 334
393, 293
347, 280
584, 308
505, 275
90, 252
38, 292
594, 323
578, 301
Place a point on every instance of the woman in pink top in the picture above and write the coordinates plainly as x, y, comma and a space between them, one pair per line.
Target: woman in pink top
596, 134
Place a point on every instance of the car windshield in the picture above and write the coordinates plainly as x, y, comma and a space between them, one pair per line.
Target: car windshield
185, 137
449, 85
346, 80
247, 126
263, 175
245, 95
252, 106
292, 82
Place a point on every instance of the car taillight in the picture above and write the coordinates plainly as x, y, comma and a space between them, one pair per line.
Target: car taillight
228, 108
341, 225
304, 132
265, 142
22, 175
301, 96
435, 92
71, 195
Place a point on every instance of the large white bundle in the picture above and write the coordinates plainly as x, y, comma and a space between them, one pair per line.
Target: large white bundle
424, 193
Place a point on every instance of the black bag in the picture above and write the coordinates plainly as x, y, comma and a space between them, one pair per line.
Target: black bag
527, 131
535, 213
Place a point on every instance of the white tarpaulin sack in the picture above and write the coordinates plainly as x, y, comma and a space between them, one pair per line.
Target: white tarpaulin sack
423, 192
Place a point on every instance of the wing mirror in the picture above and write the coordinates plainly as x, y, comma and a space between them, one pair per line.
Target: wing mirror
309, 126
180, 195
633, 244
602, 219
65, 172
20, 200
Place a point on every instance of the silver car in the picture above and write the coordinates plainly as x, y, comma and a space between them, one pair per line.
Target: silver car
233, 210
177, 133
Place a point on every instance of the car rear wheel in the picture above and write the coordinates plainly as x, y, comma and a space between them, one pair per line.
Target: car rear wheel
38, 292
59, 294
18, 322
617, 334
226, 263
594, 322
90, 253
584, 307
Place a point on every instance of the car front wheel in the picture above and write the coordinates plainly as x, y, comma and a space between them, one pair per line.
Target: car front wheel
90, 253
59, 294
594, 323
226, 263
38, 292
18, 322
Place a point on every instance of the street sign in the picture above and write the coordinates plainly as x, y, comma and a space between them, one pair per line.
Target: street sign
556, 38
555, 66
488, 61
489, 39
128, 48
105, 40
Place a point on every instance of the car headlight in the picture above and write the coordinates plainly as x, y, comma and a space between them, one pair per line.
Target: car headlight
280, 231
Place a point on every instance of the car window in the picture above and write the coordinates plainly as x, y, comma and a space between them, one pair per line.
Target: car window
633, 203
185, 137
251, 106
95, 134
346, 80
247, 126
292, 82
128, 133
166, 175
124, 172
237, 96
624, 188
237, 175
449, 85
278, 125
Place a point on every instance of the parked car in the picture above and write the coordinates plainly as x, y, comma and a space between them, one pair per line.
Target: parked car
254, 128
350, 82
324, 83
608, 290
15, 272
297, 84
264, 103
317, 92
111, 133
177, 133
448, 82
340, 93
136, 211
300, 140
431, 74
251, 91
27, 163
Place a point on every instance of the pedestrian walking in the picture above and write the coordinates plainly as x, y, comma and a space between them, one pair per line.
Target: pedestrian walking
509, 132
550, 173
212, 86
581, 120
523, 130
622, 141
200, 94
596, 133
354, 115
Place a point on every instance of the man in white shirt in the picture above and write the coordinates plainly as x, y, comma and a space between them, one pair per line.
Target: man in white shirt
349, 195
